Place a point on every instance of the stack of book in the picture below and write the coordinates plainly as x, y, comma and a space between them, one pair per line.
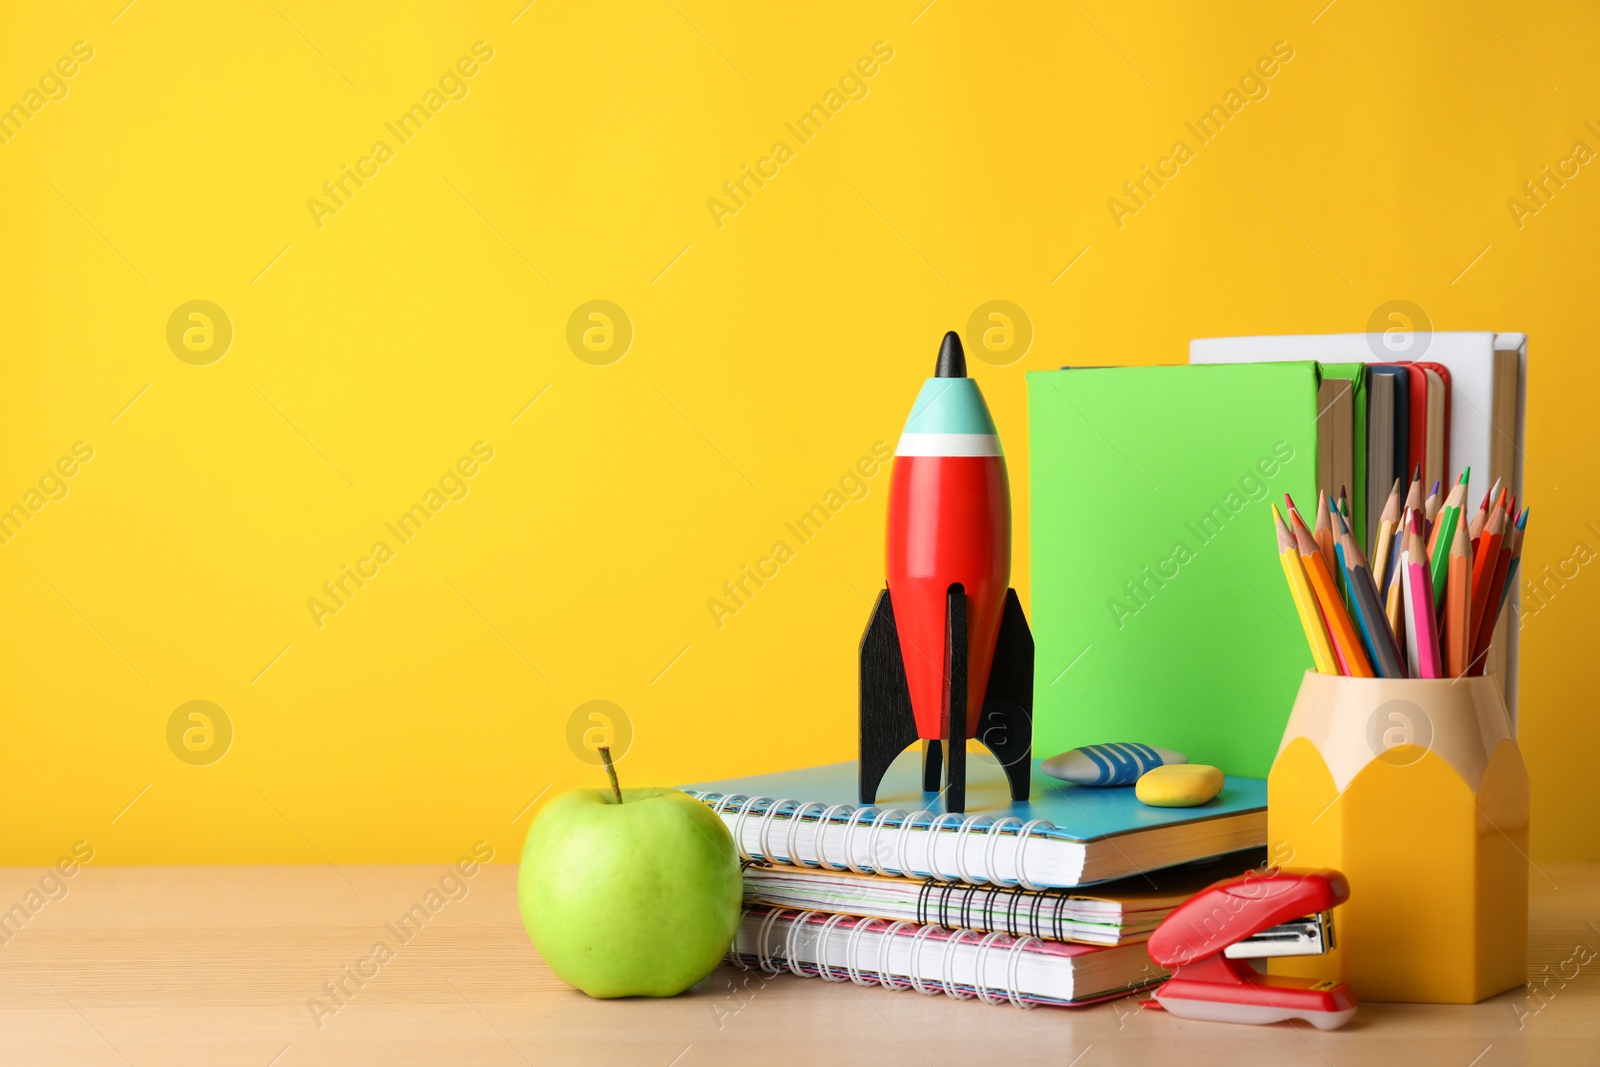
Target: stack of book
1393, 406
1156, 615
1044, 902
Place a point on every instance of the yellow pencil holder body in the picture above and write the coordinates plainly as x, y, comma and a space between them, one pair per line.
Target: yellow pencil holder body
1415, 789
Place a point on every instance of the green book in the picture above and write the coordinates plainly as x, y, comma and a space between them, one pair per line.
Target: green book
1159, 606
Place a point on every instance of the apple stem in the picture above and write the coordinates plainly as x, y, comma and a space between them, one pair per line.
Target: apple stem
605, 754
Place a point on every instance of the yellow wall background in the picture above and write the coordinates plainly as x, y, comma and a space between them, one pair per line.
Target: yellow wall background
769, 353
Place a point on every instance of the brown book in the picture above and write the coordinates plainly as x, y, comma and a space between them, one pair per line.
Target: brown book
1335, 439
1380, 449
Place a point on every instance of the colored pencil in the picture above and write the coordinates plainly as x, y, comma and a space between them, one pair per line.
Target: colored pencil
1323, 533
1516, 558
1414, 494
1387, 523
1394, 608
1398, 543
1499, 585
1485, 561
1475, 530
1365, 606
1305, 601
1428, 604
1458, 604
1442, 536
1497, 581
1456, 498
1403, 584
1291, 513
1422, 634
1343, 632
1500, 506
1511, 522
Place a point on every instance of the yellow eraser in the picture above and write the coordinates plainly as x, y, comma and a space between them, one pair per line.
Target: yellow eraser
1178, 785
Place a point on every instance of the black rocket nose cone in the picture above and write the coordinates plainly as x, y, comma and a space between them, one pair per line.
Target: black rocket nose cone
952, 360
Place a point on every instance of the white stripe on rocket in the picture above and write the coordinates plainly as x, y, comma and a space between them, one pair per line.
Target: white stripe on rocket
948, 444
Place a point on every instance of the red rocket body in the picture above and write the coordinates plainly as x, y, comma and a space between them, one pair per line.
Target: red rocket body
949, 524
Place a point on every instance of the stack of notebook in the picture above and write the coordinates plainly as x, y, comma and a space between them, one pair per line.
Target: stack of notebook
1044, 902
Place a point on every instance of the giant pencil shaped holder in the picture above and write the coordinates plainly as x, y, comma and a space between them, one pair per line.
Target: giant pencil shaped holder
947, 655
1415, 790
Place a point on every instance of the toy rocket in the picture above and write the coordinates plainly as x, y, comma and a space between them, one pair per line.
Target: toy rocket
947, 655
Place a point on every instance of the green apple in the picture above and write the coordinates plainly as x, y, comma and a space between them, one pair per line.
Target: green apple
629, 893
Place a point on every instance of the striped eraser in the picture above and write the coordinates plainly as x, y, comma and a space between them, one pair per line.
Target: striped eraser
1112, 764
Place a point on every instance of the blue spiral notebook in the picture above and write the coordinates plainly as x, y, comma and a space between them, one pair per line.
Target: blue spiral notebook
1064, 836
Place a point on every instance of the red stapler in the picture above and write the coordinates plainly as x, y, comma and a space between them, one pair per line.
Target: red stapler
1207, 941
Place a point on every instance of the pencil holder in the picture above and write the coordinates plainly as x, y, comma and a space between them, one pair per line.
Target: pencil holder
1415, 789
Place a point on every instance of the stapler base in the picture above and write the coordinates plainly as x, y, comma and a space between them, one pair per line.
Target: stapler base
1325, 1005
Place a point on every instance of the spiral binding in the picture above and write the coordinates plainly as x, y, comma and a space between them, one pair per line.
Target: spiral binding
798, 922
823, 970
983, 956
1013, 910
737, 809
886, 977
914, 967
763, 960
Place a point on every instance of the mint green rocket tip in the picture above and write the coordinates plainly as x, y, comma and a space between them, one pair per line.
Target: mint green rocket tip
949, 406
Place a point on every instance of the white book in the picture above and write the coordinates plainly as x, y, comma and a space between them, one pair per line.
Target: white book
1474, 440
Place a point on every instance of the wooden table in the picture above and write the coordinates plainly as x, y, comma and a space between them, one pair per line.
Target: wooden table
218, 966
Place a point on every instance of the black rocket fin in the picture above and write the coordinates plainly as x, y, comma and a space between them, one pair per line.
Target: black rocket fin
932, 764
953, 710
1006, 725
888, 726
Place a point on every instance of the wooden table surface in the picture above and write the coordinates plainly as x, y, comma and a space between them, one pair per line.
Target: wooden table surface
221, 965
